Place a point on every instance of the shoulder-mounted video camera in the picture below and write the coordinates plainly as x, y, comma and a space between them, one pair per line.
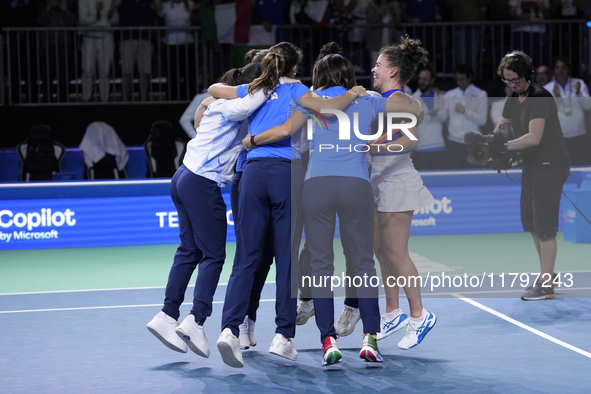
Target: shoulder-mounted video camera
488, 151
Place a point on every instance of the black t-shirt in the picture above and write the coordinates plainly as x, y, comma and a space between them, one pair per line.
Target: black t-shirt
551, 153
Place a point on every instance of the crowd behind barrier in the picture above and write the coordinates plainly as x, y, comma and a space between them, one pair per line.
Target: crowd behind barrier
51, 65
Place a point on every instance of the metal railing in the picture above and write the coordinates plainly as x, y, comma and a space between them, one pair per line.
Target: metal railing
67, 65
47, 66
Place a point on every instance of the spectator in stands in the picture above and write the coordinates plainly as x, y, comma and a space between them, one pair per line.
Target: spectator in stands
342, 14
496, 108
543, 75
572, 99
422, 11
466, 107
310, 13
382, 12
466, 38
354, 44
430, 152
135, 46
530, 37
179, 49
56, 58
529, 10
268, 13
299, 13
97, 46
569, 11
187, 119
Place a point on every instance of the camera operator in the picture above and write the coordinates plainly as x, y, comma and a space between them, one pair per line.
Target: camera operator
532, 112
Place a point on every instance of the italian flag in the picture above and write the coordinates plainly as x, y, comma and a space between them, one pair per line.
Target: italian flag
227, 23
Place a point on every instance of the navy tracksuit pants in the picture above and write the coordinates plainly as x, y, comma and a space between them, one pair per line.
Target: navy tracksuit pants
305, 292
270, 189
352, 199
202, 229
261, 274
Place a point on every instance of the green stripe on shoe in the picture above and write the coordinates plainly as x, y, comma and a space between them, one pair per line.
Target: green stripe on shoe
333, 357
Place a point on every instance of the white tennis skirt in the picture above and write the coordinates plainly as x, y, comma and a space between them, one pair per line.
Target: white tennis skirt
397, 185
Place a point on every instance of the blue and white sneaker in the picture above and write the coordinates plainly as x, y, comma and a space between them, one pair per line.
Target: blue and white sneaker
389, 327
414, 334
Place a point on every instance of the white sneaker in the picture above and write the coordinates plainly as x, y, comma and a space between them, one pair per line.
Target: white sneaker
194, 336
283, 347
305, 311
247, 338
346, 323
229, 347
331, 354
390, 326
369, 351
415, 333
163, 327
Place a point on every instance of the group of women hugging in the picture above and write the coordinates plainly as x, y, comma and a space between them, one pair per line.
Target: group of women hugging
249, 133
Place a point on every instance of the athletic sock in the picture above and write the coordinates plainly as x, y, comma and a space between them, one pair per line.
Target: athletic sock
393, 314
418, 320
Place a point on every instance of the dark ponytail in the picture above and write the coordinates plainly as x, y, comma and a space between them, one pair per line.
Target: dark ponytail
239, 76
333, 69
332, 48
273, 69
280, 60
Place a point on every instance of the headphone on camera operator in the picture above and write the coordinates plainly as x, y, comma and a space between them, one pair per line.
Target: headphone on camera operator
529, 73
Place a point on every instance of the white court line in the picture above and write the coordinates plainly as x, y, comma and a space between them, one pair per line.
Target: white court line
85, 290
105, 307
84, 183
485, 172
457, 295
91, 290
524, 326
558, 289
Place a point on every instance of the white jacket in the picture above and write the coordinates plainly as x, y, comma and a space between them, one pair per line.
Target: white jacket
213, 152
496, 110
475, 101
571, 106
430, 130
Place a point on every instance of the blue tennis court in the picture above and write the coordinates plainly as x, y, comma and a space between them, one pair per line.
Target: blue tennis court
95, 342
